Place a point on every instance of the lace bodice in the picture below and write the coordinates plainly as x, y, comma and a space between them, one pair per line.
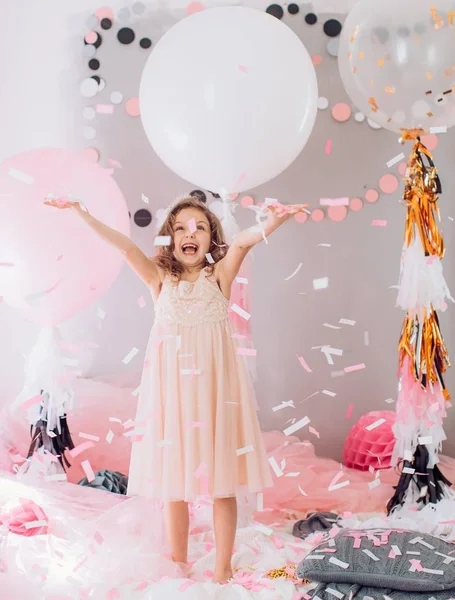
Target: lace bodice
190, 304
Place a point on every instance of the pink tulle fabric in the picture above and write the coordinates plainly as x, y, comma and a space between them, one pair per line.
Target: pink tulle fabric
24, 517
370, 442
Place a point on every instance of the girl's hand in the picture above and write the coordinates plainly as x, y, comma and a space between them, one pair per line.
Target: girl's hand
283, 211
63, 203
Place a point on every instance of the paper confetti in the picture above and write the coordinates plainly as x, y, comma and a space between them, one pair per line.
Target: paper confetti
35, 524
349, 411
245, 450
304, 364
32, 401
162, 240
329, 393
141, 301
294, 273
442, 129
293, 428
242, 313
334, 201
131, 354
378, 223
347, 322
88, 436
88, 470
20, 176
366, 338
276, 469
246, 351
109, 436
210, 258
338, 563
354, 368
395, 160
80, 448
328, 147
192, 225
105, 109
242, 280
374, 425
321, 284
144, 198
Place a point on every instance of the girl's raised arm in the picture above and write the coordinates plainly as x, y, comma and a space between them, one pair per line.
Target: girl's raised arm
143, 266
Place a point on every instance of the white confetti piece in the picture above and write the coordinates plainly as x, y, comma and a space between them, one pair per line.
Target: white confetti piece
35, 524
395, 160
260, 502
408, 471
20, 176
337, 374
396, 550
338, 563
244, 450
109, 436
284, 404
302, 491
422, 542
162, 240
241, 280
315, 557
294, 273
375, 483
263, 529
242, 313
246, 351
370, 554
276, 469
334, 593
334, 201
86, 466
331, 326
190, 372
433, 571
293, 428
338, 486
137, 391
374, 425
426, 440
441, 129
141, 301
366, 338
389, 400
321, 283
100, 313
324, 245
329, 393
144, 198
56, 477
210, 258
129, 357
330, 350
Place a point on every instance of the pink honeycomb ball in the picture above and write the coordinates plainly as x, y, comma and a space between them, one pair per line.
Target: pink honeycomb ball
370, 442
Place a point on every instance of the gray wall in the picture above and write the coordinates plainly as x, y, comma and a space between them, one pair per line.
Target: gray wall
362, 262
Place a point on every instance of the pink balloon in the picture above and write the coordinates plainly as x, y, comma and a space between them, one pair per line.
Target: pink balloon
51, 263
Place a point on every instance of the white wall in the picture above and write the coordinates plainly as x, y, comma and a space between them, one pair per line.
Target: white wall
42, 65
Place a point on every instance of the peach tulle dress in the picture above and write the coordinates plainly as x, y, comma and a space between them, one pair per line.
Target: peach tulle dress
196, 430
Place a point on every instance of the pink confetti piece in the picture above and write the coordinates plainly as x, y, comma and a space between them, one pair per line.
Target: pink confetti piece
314, 432
186, 585
32, 402
115, 163
81, 448
141, 301
416, 565
349, 411
304, 364
334, 201
246, 351
112, 594
88, 436
192, 225
354, 368
328, 147
379, 223
7, 264
243, 68
277, 542
88, 471
105, 109
98, 538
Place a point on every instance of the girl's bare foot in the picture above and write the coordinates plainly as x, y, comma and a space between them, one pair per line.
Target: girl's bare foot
222, 577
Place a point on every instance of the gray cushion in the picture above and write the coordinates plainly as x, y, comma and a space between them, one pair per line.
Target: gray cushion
347, 591
375, 561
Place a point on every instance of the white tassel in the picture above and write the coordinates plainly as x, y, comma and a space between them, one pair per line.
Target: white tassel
422, 283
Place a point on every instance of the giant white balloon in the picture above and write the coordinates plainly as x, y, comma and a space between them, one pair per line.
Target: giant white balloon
228, 98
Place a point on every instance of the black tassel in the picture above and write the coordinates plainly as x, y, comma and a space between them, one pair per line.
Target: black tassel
56, 445
423, 477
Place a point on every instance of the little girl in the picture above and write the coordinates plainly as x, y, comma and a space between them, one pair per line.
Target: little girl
196, 428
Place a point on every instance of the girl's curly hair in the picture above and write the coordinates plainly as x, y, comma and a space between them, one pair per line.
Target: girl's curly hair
165, 258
